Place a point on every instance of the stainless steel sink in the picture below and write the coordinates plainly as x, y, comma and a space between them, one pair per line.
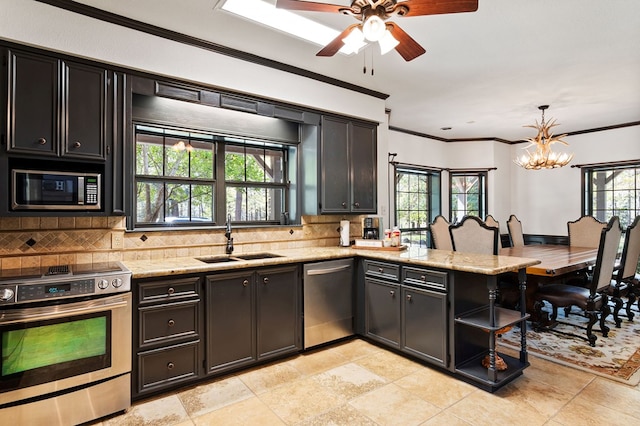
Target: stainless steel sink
216, 259
224, 258
254, 256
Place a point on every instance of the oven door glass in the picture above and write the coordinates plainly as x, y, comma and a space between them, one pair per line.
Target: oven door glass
49, 350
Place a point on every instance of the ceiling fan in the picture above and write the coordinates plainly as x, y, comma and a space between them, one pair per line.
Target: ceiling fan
373, 26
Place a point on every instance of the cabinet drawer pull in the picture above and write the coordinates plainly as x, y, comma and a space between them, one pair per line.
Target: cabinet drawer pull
170, 366
265, 280
42, 141
171, 290
245, 283
408, 298
381, 270
423, 277
77, 144
392, 293
171, 323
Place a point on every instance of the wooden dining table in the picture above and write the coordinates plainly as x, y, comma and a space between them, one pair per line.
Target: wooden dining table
557, 263
556, 260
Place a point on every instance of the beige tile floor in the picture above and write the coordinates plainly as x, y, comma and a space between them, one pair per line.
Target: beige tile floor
357, 383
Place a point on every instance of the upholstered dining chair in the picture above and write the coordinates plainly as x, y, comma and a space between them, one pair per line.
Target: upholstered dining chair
472, 235
491, 221
440, 237
624, 276
592, 299
585, 232
514, 226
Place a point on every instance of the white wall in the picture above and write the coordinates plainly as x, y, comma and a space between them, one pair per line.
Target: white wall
544, 200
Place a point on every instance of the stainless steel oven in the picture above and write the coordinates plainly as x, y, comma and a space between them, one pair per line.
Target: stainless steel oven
65, 341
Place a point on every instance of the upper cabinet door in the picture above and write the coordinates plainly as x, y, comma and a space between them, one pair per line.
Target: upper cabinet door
362, 152
33, 104
85, 125
335, 166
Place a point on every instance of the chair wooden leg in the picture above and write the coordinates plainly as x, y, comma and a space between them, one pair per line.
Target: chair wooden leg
631, 298
603, 317
593, 317
618, 305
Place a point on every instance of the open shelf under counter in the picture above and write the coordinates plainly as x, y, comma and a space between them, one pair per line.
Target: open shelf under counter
480, 318
472, 369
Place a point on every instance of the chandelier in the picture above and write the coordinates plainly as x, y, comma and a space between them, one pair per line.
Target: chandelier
543, 157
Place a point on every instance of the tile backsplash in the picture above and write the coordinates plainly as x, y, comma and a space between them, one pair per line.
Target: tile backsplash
46, 241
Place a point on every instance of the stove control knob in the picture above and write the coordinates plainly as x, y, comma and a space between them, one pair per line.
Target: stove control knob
6, 294
117, 282
102, 284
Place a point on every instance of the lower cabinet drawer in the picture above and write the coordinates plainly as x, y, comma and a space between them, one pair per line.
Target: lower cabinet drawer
163, 323
163, 367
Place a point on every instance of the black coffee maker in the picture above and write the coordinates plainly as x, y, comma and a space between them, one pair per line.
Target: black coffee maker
371, 227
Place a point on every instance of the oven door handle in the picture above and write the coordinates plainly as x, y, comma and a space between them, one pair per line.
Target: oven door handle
64, 310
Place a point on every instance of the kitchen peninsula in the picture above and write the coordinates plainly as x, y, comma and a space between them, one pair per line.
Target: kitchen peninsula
454, 331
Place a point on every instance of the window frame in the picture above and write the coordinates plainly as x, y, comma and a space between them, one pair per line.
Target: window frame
588, 174
218, 182
483, 195
433, 202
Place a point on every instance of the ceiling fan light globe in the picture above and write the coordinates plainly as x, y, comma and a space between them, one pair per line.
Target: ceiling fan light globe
373, 28
387, 43
353, 42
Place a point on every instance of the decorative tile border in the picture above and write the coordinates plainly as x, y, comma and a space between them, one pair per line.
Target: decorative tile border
34, 241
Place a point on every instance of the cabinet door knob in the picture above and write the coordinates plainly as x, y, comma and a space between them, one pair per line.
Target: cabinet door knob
265, 280
171, 323
344, 204
170, 366
392, 293
42, 141
245, 283
423, 277
77, 144
408, 298
356, 204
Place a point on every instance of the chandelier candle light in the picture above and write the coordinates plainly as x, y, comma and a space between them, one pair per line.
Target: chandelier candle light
543, 157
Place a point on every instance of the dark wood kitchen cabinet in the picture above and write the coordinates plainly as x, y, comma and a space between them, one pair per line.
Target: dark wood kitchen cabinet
56, 107
425, 314
252, 315
166, 334
348, 166
382, 302
406, 308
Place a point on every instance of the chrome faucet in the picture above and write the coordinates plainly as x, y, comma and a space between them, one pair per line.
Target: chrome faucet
227, 234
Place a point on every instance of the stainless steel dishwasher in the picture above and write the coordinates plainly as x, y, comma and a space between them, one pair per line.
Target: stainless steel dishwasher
328, 301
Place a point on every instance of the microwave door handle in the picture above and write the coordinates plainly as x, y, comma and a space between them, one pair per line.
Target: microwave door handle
80, 190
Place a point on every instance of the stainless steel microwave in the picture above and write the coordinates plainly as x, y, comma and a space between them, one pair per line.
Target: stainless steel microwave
54, 190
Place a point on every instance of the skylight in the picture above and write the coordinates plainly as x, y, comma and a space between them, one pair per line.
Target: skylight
266, 13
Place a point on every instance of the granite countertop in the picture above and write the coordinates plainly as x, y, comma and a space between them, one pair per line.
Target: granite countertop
444, 259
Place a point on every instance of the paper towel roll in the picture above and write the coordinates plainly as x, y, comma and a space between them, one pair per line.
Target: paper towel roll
344, 233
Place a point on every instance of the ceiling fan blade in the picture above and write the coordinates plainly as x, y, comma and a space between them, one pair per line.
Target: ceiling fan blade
407, 47
337, 43
435, 7
310, 6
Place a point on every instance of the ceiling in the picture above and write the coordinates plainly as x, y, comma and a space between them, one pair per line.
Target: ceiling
484, 73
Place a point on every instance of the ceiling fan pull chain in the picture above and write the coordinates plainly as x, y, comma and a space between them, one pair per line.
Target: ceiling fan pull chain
364, 62
372, 63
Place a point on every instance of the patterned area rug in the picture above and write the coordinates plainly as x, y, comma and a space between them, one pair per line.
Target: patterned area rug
616, 357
